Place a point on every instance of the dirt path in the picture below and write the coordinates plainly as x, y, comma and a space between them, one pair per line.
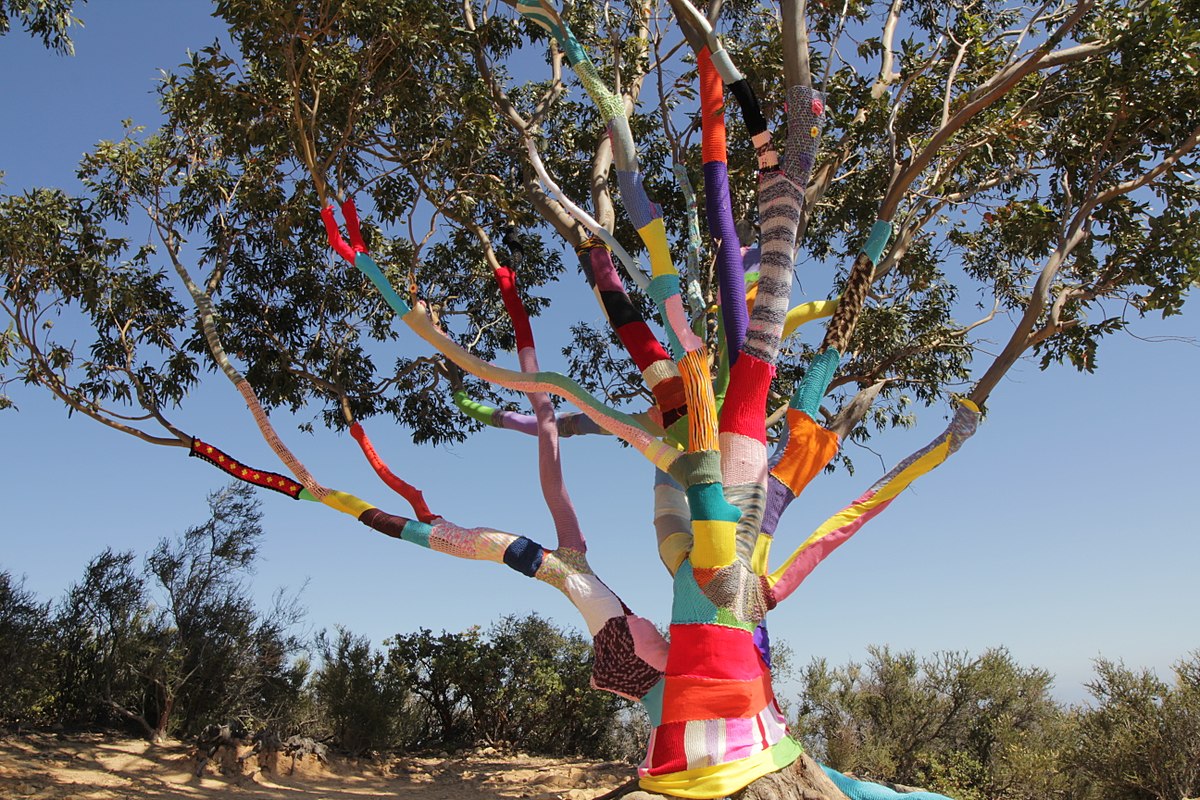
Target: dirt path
99, 767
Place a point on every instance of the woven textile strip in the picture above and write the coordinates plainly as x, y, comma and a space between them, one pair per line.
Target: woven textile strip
840, 527
718, 206
631, 328
406, 490
222, 461
629, 263
645, 214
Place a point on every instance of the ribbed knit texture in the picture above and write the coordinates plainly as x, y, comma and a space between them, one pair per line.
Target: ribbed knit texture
718, 207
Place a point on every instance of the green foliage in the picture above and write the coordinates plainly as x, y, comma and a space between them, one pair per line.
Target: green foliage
361, 702
48, 20
1140, 740
981, 727
181, 644
524, 683
402, 105
25, 686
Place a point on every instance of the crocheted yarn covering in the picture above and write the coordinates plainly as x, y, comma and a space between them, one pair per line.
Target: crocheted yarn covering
617, 667
717, 726
406, 490
719, 207
841, 526
222, 461
864, 790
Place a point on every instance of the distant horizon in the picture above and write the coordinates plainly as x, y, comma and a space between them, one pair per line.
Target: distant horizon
1062, 529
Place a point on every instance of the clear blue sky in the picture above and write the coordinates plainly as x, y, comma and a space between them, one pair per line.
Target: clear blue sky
1063, 530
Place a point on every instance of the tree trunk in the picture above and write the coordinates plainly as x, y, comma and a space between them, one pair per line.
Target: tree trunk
803, 780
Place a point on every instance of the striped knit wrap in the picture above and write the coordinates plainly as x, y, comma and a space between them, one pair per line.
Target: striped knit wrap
619, 667
840, 527
779, 206
694, 298
718, 206
554, 491
647, 353
597, 230
717, 726
806, 118
644, 213
569, 424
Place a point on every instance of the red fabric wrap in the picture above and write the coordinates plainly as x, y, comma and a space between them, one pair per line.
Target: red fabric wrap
222, 461
713, 651
352, 227
643, 348
407, 491
335, 236
516, 309
712, 109
356, 245
745, 409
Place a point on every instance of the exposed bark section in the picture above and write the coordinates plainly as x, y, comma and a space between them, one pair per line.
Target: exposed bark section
803, 780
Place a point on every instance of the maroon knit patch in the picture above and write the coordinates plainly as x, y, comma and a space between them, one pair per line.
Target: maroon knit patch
258, 477
617, 667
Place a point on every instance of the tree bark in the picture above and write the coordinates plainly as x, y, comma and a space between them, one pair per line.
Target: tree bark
803, 780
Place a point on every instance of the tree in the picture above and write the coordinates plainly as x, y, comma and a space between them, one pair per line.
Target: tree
357, 695
200, 654
1139, 738
1023, 117
973, 727
49, 20
25, 648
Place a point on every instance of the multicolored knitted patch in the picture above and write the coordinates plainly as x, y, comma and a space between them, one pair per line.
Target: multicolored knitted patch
225, 463
616, 667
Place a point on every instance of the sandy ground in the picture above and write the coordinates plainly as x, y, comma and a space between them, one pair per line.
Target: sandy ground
48, 766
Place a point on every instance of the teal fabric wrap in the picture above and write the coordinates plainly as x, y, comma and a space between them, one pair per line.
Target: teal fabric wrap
707, 502
881, 232
652, 701
864, 790
812, 388
416, 532
660, 289
689, 605
367, 266
571, 47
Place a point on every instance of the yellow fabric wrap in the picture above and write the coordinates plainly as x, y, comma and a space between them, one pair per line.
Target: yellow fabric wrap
714, 543
807, 312
721, 780
847, 515
654, 235
674, 549
760, 558
346, 503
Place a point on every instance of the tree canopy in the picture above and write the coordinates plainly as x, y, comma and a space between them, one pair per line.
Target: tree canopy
988, 173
